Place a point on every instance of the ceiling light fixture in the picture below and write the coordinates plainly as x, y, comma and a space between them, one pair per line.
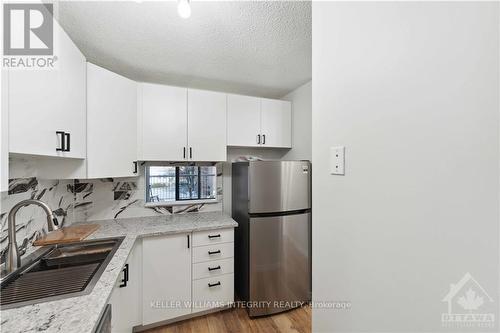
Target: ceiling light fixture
184, 8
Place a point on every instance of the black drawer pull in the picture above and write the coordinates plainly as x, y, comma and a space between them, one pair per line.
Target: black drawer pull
214, 252
214, 284
125, 276
68, 142
213, 268
63, 141
214, 236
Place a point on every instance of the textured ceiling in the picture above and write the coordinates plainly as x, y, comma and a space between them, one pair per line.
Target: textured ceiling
260, 48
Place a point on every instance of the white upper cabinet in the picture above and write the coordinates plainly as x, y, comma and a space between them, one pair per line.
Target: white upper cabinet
259, 122
162, 122
180, 124
243, 120
4, 136
111, 124
276, 123
45, 102
206, 125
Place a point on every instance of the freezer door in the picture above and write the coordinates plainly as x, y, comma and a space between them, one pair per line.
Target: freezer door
280, 262
279, 186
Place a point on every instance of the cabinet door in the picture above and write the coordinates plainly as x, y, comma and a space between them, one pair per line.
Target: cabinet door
4, 133
243, 121
72, 99
33, 112
276, 123
163, 121
206, 125
166, 278
126, 297
111, 124
42, 102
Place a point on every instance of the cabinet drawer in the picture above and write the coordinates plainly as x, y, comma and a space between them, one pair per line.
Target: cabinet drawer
213, 237
213, 252
212, 268
213, 292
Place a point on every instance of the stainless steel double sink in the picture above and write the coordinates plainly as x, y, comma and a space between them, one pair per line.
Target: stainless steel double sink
57, 272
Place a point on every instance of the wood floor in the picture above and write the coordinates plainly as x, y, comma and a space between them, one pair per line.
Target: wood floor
237, 321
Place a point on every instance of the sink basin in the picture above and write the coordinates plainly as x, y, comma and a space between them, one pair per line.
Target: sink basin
58, 272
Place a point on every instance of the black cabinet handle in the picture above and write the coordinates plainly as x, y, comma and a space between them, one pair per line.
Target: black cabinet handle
213, 268
190, 152
214, 236
188, 241
213, 252
184, 152
135, 167
68, 141
214, 284
258, 139
62, 138
125, 277
263, 139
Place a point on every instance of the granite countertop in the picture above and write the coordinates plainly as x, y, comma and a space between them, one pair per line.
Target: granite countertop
81, 314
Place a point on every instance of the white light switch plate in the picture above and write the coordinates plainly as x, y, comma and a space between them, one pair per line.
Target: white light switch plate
337, 160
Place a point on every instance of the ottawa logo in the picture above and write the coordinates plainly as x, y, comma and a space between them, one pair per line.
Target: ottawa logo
469, 305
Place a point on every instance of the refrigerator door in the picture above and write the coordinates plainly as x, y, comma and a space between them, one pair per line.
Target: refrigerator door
280, 263
279, 186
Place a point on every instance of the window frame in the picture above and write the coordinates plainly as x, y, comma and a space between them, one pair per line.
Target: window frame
178, 201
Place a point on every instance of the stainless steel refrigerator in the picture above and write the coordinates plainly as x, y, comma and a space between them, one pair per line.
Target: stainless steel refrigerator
271, 201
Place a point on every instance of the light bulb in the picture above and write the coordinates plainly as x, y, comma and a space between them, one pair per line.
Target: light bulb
184, 9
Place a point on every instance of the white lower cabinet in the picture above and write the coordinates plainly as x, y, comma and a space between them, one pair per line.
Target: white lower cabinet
166, 278
213, 252
171, 277
126, 310
213, 292
211, 237
213, 267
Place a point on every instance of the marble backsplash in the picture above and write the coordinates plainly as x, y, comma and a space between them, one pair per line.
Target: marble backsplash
83, 200
102, 199
31, 220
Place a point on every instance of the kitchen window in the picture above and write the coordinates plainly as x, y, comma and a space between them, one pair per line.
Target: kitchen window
172, 184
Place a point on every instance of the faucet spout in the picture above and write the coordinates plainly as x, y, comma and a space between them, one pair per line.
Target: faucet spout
13, 259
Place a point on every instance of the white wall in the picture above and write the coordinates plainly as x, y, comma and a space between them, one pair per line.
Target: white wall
412, 90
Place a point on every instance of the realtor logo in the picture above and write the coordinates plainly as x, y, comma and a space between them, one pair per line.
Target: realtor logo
469, 305
28, 29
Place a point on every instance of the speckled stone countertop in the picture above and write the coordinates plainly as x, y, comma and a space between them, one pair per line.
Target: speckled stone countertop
81, 314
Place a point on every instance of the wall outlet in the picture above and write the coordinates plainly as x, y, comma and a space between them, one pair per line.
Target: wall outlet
337, 160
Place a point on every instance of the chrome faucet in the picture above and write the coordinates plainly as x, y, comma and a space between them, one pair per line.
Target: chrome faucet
13, 259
